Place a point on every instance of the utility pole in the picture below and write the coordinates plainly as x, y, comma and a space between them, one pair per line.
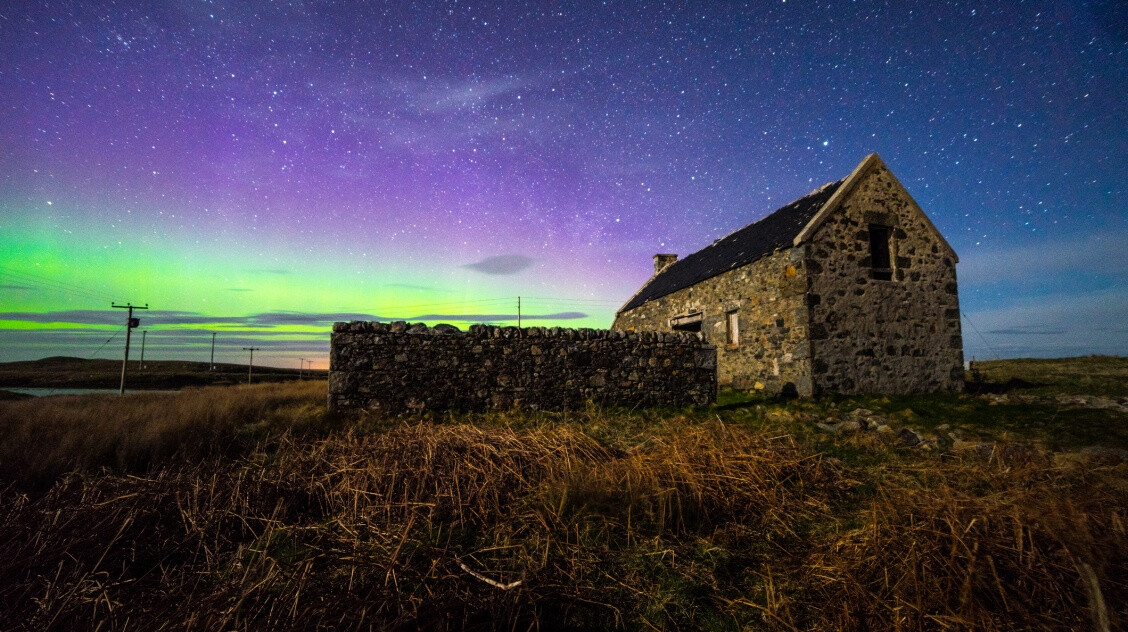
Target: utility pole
213, 353
130, 323
518, 312
301, 365
252, 362
141, 362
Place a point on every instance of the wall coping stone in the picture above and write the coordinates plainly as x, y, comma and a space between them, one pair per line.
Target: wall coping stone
496, 331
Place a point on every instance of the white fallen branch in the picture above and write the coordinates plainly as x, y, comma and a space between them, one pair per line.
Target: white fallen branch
495, 584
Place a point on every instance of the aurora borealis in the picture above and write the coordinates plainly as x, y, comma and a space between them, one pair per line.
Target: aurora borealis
262, 169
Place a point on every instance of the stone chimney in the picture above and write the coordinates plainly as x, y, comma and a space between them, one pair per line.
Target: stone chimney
661, 262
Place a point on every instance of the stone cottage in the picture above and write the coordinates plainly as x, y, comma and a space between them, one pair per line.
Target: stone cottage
848, 289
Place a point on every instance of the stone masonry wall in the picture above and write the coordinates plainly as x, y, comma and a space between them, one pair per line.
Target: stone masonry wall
869, 335
768, 296
397, 368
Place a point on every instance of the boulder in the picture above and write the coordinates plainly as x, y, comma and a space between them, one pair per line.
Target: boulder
909, 437
838, 427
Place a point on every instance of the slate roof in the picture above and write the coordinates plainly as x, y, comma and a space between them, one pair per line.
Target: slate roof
740, 248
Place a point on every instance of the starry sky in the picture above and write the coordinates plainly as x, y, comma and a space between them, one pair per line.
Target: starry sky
262, 169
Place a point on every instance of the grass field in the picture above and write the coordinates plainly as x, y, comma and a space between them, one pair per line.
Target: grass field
65, 372
251, 508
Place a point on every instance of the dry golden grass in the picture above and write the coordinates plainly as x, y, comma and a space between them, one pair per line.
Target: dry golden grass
589, 521
42, 438
1010, 544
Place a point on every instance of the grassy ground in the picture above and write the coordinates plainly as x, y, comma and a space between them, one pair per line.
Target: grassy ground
64, 372
248, 507
1086, 375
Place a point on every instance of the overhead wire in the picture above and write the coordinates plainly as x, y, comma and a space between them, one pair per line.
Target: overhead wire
981, 337
108, 340
64, 287
69, 292
562, 299
39, 278
456, 303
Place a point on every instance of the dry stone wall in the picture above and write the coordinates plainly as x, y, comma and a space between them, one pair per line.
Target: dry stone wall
397, 368
887, 336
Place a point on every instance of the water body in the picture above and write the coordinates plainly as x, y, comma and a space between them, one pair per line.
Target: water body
45, 392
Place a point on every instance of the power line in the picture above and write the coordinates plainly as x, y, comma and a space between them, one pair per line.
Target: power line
506, 299
32, 277
104, 344
571, 300
52, 284
981, 337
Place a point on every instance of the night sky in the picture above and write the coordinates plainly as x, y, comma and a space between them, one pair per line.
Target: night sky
262, 169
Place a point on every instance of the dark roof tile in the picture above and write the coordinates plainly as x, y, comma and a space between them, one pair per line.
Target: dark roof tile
737, 249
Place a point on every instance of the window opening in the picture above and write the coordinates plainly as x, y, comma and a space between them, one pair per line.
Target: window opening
694, 326
688, 322
880, 260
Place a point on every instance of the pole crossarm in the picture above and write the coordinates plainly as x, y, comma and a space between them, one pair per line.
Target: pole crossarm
130, 324
252, 361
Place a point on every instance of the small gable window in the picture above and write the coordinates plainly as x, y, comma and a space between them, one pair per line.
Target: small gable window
880, 246
732, 336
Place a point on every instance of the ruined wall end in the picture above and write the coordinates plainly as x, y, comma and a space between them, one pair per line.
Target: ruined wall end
396, 368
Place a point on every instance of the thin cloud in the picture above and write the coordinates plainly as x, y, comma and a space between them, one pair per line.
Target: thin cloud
269, 271
1049, 326
438, 97
410, 286
1069, 258
306, 318
501, 264
86, 331
482, 318
259, 322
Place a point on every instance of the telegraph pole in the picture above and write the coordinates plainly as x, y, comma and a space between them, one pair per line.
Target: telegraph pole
130, 323
301, 365
141, 362
252, 362
518, 312
213, 353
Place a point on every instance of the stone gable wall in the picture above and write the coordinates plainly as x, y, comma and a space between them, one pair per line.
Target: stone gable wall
870, 335
397, 368
768, 296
